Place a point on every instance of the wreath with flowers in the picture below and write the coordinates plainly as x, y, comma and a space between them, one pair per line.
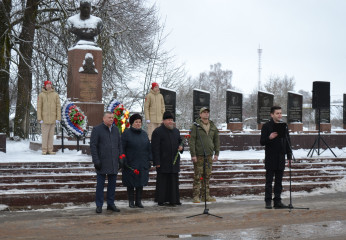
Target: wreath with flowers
73, 120
121, 115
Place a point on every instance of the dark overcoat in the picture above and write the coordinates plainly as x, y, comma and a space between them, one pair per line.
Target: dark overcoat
137, 148
164, 144
275, 149
105, 147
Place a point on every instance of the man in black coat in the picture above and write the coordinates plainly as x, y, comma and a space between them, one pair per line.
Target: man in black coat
165, 144
105, 147
276, 147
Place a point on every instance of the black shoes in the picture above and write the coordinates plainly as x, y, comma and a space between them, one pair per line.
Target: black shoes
131, 204
280, 205
113, 208
268, 205
98, 209
139, 204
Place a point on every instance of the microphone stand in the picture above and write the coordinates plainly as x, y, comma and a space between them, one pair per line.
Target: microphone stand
206, 210
290, 206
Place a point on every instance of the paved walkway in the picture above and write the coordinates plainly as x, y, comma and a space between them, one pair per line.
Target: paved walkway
243, 219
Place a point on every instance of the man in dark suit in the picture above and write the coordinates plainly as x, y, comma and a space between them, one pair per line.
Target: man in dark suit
105, 147
276, 147
165, 144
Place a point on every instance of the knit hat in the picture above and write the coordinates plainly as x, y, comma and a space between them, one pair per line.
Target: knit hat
134, 117
154, 84
47, 82
167, 115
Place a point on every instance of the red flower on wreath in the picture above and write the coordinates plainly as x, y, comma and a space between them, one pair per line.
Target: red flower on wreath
136, 172
201, 178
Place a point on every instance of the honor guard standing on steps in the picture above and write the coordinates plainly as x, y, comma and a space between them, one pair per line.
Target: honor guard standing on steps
154, 108
48, 114
209, 135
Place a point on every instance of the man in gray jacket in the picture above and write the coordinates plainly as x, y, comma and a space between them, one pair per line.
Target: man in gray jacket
105, 147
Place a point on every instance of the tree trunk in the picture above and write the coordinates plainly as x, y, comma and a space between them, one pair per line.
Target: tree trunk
21, 121
5, 55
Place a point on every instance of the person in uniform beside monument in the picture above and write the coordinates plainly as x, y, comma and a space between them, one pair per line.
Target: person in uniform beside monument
105, 147
211, 142
137, 149
275, 150
154, 107
85, 26
48, 114
165, 144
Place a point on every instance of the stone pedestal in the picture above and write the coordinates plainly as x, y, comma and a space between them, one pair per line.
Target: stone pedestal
295, 127
235, 126
3, 142
94, 111
325, 127
84, 88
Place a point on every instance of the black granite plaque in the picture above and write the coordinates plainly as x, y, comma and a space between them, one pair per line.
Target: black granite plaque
200, 99
264, 102
170, 98
234, 107
344, 107
294, 108
325, 115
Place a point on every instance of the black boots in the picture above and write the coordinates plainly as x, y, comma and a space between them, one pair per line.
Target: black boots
139, 191
131, 196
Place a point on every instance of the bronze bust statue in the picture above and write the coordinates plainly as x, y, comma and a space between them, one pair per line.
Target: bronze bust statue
85, 26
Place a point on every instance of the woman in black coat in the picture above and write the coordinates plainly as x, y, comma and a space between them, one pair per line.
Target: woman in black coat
137, 149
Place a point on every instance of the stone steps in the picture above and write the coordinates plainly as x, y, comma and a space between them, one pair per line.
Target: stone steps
92, 184
41, 183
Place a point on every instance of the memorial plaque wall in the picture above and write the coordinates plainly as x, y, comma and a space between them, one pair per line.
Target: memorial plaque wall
325, 115
200, 99
294, 108
234, 107
264, 102
169, 97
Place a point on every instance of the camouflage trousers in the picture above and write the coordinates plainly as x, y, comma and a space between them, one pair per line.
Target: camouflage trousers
198, 181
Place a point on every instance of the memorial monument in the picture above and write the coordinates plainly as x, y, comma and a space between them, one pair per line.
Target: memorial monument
295, 111
265, 101
201, 99
234, 110
84, 80
325, 125
170, 99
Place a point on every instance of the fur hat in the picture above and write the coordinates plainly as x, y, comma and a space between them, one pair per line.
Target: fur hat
167, 115
134, 117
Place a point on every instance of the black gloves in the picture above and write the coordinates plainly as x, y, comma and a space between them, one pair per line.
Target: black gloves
97, 165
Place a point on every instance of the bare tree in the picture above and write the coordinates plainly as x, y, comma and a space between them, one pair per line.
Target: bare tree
21, 121
41, 43
279, 86
5, 56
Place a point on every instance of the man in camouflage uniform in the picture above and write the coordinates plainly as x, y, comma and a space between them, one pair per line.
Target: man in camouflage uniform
211, 142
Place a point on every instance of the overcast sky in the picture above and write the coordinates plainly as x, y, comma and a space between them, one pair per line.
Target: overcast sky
304, 39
